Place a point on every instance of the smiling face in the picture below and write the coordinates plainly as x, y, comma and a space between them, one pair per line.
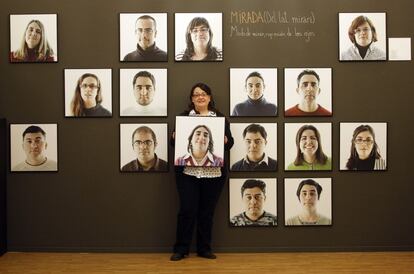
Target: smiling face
255, 87
253, 201
34, 145
144, 146
308, 142
89, 89
308, 88
363, 34
144, 91
308, 197
146, 33
255, 145
364, 142
200, 140
200, 36
200, 99
33, 35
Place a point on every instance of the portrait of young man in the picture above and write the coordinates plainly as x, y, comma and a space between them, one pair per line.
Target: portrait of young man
143, 37
308, 92
253, 92
146, 144
33, 147
255, 147
143, 92
253, 202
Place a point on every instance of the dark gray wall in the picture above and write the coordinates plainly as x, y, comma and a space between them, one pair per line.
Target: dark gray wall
90, 205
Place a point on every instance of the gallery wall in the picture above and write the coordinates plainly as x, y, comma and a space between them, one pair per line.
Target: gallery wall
89, 205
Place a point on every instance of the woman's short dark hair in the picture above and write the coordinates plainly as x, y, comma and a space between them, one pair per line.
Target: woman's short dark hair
311, 183
320, 155
77, 104
353, 158
356, 23
206, 89
210, 138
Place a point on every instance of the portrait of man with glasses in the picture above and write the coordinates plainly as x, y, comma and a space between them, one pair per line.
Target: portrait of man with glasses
146, 32
143, 142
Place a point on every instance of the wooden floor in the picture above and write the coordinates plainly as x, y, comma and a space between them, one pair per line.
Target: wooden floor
234, 263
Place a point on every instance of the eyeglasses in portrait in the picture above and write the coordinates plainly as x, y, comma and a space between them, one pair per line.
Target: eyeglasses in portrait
363, 146
143, 92
253, 202
33, 147
33, 38
199, 141
88, 93
253, 91
308, 201
362, 36
198, 37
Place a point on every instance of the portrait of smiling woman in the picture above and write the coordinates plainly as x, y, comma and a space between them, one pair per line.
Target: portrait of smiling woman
199, 43
29, 39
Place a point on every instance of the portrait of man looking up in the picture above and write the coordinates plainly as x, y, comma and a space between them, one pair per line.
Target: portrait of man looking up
253, 194
308, 88
146, 32
34, 146
256, 103
144, 143
255, 141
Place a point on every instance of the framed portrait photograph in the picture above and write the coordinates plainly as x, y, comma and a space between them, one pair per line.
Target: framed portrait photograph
362, 36
33, 38
144, 147
363, 146
253, 91
199, 141
198, 37
308, 146
399, 49
143, 92
88, 93
253, 202
255, 147
308, 201
143, 37
308, 92
33, 147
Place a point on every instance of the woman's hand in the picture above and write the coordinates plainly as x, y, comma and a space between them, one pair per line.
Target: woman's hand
173, 135
225, 139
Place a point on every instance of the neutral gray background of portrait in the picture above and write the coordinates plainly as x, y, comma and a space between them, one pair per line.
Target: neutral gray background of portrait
128, 37
183, 19
71, 80
292, 97
238, 91
239, 149
291, 129
17, 154
378, 19
126, 148
126, 94
89, 205
18, 24
399, 49
346, 132
293, 206
236, 205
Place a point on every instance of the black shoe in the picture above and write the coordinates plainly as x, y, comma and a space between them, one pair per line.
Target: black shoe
207, 255
177, 256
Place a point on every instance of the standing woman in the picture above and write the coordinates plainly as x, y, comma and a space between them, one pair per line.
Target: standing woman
364, 151
34, 46
199, 187
88, 97
198, 38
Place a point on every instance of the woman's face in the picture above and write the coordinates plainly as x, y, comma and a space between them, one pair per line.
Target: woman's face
364, 142
89, 89
308, 197
200, 36
200, 140
33, 35
308, 142
363, 34
200, 98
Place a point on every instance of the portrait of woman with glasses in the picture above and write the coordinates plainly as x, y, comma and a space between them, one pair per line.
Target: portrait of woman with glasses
365, 153
364, 38
199, 42
87, 99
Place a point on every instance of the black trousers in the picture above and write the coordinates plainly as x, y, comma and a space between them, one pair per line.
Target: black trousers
198, 199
